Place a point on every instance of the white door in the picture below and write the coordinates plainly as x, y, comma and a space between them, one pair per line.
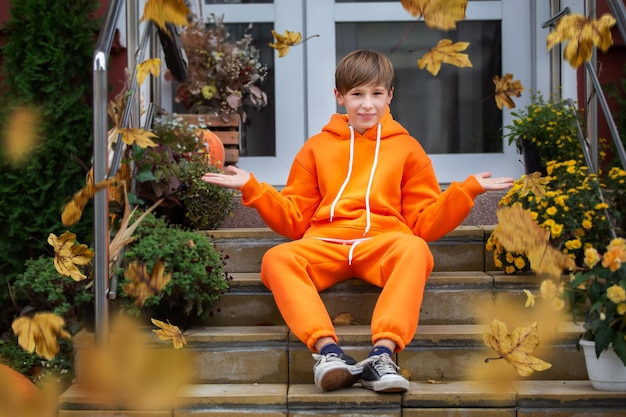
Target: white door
452, 115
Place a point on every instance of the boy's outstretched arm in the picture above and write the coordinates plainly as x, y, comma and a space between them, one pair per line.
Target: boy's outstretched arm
493, 184
235, 179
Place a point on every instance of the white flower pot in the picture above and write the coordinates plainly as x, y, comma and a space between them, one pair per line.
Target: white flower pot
606, 373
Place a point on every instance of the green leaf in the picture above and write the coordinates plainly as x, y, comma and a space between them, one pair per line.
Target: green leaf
619, 345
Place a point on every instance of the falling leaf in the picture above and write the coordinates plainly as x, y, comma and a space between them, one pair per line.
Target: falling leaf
149, 66
39, 334
140, 137
166, 11
344, 319
534, 183
517, 347
518, 232
444, 53
142, 285
73, 211
124, 234
21, 132
169, 332
283, 42
581, 34
67, 255
440, 14
505, 89
530, 299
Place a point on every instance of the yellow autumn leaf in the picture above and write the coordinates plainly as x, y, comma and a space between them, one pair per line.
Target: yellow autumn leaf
517, 231
505, 89
166, 11
149, 66
140, 137
169, 332
516, 348
581, 35
440, 14
73, 211
39, 334
444, 53
21, 132
534, 183
141, 284
344, 319
68, 254
283, 42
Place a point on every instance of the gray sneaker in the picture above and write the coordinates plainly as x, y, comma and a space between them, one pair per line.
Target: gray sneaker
380, 374
333, 372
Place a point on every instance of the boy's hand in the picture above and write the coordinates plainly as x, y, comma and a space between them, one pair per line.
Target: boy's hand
235, 178
493, 184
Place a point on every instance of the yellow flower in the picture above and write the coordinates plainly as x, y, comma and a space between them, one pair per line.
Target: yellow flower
592, 257
548, 289
556, 230
557, 304
509, 257
573, 244
587, 224
616, 294
551, 211
621, 309
519, 263
208, 91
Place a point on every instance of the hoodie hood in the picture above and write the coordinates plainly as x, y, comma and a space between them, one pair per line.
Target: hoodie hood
339, 126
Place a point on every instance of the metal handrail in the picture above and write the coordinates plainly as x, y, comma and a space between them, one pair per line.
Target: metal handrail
100, 157
591, 72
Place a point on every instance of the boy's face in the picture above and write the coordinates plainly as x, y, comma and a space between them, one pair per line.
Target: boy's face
365, 105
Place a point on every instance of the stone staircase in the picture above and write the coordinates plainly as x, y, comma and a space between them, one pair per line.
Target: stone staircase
248, 364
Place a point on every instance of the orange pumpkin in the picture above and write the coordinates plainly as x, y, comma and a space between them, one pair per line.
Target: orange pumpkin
214, 148
17, 391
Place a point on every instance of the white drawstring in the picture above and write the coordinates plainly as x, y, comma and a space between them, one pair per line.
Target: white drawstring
345, 183
371, 180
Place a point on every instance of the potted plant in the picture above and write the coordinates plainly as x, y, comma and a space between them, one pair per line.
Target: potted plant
223, 75
544, 131
579, 210
595, 295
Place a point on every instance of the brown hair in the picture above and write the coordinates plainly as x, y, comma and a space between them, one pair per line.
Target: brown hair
363, 67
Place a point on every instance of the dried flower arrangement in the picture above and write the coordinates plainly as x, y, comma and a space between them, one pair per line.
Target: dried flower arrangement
224, 75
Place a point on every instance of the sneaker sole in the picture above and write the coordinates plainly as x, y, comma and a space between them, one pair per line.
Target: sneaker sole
337, 378
390, 386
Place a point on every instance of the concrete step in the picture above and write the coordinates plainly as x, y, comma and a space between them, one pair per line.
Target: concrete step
271, 355
450, 298
463, 249
528, 398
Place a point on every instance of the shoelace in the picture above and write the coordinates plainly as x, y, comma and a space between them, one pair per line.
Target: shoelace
384, 365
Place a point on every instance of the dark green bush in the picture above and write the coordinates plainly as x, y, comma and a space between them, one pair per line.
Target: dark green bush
42, 288
197, 268
47, 57
206, 205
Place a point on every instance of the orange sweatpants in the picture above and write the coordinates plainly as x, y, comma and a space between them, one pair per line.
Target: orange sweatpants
295, 273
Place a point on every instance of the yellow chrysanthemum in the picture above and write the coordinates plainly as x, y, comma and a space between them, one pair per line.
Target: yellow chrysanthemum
616, 294
573, 244
621, 309
551, 211
519, 263
592, 257
557, 304
548, 289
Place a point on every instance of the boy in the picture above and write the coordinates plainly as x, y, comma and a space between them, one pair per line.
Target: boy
361, 200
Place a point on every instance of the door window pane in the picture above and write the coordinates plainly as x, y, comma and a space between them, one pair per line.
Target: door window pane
453, 112
258, 130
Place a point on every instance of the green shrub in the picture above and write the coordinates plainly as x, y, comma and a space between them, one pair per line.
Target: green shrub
197, 268
42, 288
206, 205
47, 64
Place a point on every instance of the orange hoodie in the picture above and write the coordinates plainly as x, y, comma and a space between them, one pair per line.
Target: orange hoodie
348, 186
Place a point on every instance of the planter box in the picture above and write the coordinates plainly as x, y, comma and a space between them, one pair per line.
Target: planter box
228, 130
